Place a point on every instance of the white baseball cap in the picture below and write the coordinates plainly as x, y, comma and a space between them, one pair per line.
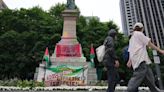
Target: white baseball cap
140, 25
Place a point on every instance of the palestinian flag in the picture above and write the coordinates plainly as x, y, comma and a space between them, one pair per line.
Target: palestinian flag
46, 58
92, 55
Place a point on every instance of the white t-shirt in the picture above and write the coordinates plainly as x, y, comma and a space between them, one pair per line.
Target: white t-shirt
137, 49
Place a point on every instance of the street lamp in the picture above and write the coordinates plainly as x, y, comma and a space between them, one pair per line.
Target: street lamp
157, 62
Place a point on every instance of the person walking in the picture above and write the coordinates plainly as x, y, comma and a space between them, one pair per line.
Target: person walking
139, 60
110, 60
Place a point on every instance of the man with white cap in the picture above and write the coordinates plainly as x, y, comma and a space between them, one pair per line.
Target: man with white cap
140, 61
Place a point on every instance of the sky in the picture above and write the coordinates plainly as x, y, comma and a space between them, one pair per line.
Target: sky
105, 9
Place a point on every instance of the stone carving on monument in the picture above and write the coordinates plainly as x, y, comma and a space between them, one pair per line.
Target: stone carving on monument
68, 56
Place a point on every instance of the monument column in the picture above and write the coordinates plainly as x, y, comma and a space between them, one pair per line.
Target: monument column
69, 28
68, 48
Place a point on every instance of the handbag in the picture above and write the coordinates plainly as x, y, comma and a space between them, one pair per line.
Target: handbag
100, 51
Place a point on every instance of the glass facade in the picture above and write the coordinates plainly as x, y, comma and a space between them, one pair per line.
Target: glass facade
150, 13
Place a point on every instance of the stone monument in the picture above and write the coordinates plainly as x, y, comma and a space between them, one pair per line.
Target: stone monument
68, 52
68, 48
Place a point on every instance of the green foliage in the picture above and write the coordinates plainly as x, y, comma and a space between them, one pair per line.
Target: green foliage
31, 83
11, 82
56, 10
21, 83
24, 34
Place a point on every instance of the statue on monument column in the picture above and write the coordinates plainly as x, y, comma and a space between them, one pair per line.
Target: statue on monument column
71, 4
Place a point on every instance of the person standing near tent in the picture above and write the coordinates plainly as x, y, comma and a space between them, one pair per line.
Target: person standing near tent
110, 60
139, 60
95, 64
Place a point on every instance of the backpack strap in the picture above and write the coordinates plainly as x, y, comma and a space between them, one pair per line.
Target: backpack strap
105, 42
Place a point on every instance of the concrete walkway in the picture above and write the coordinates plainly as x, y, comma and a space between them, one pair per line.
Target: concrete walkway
73, 91
68, 89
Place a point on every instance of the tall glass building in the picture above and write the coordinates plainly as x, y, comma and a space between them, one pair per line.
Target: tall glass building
149, 12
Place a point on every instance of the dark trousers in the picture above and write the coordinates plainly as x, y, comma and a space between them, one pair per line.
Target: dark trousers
113, 77
99, 71
142, 74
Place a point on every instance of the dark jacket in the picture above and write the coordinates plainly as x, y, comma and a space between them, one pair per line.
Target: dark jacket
110, 55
